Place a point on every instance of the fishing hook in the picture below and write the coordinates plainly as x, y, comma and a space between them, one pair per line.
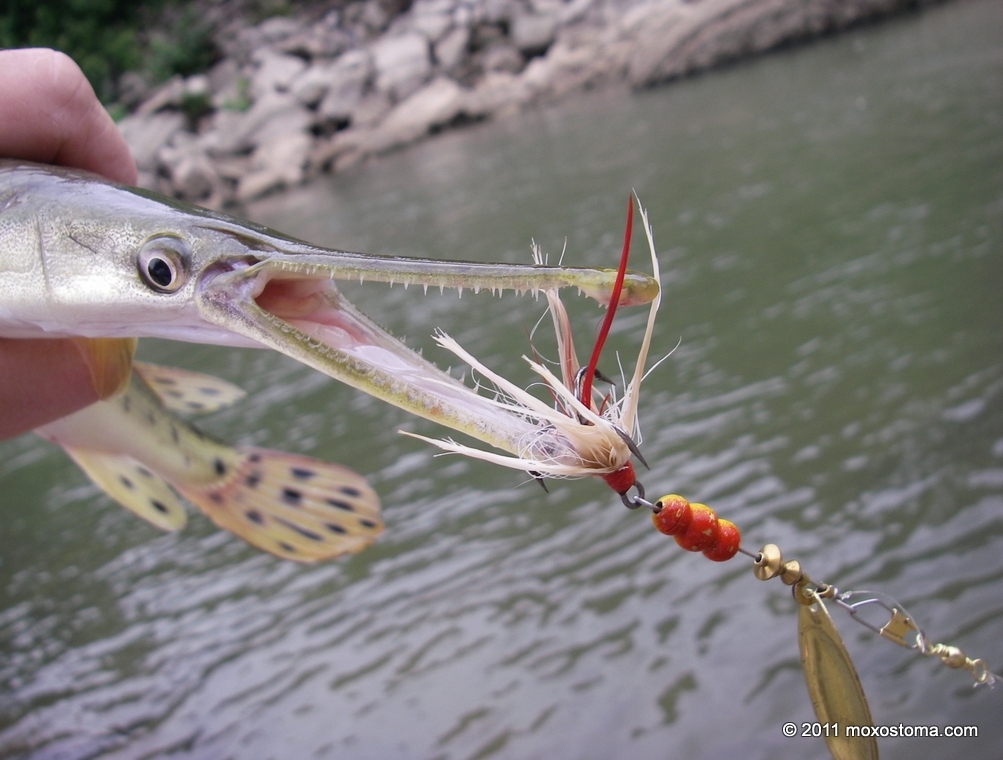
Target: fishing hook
632, 446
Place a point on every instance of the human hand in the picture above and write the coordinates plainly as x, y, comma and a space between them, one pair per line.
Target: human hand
49, 114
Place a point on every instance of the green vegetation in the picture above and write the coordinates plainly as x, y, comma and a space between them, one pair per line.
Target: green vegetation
243, 99
107, 37
259, 10
183, 46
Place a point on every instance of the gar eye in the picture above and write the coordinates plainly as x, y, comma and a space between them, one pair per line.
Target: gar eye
163, 263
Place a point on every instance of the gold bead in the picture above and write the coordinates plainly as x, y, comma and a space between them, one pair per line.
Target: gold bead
769, 564
791, 572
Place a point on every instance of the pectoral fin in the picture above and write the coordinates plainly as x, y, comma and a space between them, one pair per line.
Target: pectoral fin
109, 361
133, 486
182, 391
292, 506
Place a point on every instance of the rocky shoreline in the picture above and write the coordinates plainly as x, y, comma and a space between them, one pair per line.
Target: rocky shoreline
296, 97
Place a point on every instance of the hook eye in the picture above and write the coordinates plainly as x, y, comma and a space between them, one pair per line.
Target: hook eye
163, 263
633, 502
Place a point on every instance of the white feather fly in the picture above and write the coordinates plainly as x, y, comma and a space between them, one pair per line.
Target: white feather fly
594, 436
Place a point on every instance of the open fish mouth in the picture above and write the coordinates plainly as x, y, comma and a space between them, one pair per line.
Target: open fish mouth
296, 308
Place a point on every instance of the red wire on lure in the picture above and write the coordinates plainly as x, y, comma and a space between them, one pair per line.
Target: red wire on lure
623, 479
585, 393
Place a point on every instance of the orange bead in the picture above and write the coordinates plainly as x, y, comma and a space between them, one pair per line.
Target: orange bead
728, 539
702, 532
673, 515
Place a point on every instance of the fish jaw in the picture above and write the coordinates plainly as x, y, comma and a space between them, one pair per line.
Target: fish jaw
309, 320
603, 437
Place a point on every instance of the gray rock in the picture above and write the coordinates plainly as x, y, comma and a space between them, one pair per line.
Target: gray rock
502, 57
310, 87
225, 84
432, 18
192, 174
464, 16
347, 80
277, 28
291, 121
283, 151
547, 7
565, 69
575, 11
256, 184
499, 11
325, 151
452, 49
236, 131
279, 159
595, 36
333, 152
533, 33
371, 110
168, 95
402, 64
377, 95
436, 104
197, 86
195, 179
275, 73
321, 40
146, 134
270, 33
174, 150
365, 19
133, 89
232, 167
498, 93
673, 39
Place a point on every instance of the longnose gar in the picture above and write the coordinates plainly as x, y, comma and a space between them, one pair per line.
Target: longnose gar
81, 256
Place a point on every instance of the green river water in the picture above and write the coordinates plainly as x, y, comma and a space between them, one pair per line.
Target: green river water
829, 221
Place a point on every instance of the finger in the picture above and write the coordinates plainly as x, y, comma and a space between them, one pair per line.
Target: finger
43, 380
51, 115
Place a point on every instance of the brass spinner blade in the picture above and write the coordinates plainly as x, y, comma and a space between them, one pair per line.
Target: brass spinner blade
833, 685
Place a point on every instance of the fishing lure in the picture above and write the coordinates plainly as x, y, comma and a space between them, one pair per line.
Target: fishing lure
834, 687
605, 432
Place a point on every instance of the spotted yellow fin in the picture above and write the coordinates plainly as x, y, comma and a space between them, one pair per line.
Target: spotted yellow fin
133, 486
182, 391
292, 506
